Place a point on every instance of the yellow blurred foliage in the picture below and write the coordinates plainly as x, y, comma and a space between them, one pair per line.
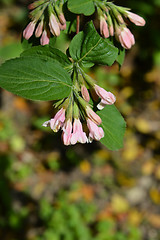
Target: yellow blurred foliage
157, 172
85, 167
127, 92
20, 104
132, 149
154, 219
155, 195
125, 180
135, 217
119, 204
102, 154
142, 125
148, 167
84, 191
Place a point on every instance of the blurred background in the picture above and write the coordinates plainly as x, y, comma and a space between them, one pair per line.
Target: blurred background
83, 192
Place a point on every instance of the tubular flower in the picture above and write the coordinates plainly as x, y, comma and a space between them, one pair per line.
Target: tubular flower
125, 37
107, 98
95, 132
104, 27
53, 25
93, 116
39, 29
135, 18
45, 38
67, 132
78, 135
85, 93
57, 122
28, 31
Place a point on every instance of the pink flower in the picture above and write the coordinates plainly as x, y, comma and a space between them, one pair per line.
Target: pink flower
95, 132
39, 29
104, 27
111, 30
93, 116
78, 135
135, 18
106, 97
85, 93
44, 38
56, 122
125, 37
62, 19
67, 132
54, 26
28, 31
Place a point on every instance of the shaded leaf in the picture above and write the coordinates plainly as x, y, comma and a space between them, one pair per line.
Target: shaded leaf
48, 52
113, 125
35, 78
85, 7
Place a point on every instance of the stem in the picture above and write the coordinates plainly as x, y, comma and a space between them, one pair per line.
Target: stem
78, 24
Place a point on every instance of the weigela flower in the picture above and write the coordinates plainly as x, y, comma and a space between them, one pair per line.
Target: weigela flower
107, 98
125, 37
57, 122
135, 18
67, 132
28, 31
53, 24
104, 30
95, 132
78, 135
85, 93
45, 38
93, 116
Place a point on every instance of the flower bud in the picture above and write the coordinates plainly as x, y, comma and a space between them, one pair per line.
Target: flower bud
118, 15
67, 132
36, 4
85, 93
110, 25
135, 18
93, 116
53, 24
62, 18
28, 31
39, 29
44, 38
107, 98
104, 27
95, 132
126, 38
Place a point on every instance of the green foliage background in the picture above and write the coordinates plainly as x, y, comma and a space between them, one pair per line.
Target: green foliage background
52, 192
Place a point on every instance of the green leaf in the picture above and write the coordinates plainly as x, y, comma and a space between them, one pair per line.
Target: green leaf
121, 55
35, 78
88, 46
48, 52
85, 7
114, 126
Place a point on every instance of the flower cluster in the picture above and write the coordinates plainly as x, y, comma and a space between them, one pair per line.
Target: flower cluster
76, 109
112, 23
46, 18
